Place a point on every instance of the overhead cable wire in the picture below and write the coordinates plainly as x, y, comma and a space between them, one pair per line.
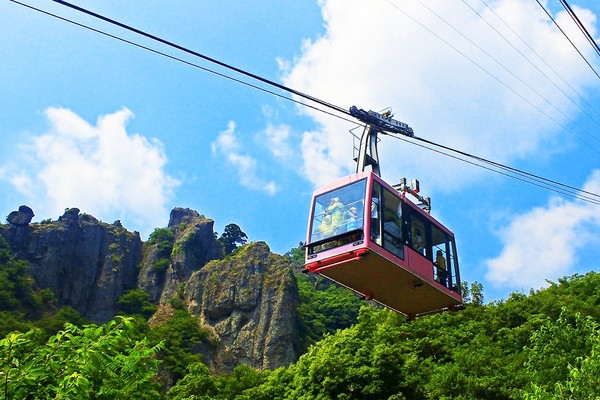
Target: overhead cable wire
517, 171
534, 65
580, 25
567, 36
549, 66
200, 55
513, 173
222, 75
540, 110
495, 167
508, 70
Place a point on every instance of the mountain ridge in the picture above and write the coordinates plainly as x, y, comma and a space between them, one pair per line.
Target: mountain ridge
247, 300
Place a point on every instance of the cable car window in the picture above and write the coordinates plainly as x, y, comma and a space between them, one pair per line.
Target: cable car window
441, 262
418, 235
337, 212
392, 224
375, 213
453, 271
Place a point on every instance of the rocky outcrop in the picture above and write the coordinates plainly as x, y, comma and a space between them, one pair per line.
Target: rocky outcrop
22, 217
88, 264
194, 244
248, 301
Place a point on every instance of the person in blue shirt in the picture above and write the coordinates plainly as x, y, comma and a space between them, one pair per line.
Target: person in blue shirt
351, 222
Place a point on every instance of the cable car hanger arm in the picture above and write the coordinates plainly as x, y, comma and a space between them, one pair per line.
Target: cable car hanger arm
383, 122
375, 123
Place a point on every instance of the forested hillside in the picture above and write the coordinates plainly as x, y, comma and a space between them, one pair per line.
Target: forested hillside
541, 345
545, 345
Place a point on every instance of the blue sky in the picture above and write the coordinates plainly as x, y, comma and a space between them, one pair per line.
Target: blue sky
123, 133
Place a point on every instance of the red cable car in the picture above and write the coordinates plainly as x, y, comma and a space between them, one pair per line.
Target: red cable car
369, 237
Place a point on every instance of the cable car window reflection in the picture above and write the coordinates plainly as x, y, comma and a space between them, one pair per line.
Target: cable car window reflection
338, 215
392, 224
418, 235
375, 213
454, 282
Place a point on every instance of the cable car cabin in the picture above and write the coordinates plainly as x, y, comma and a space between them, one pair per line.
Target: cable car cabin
366, 236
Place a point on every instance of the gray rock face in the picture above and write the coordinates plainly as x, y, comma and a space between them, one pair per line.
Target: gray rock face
194, 244
248, 301
86, 263
22, 217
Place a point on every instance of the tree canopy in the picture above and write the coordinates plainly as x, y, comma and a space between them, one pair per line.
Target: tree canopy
232, 238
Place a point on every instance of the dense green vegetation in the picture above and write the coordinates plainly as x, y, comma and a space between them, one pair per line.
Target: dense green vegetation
540, 345
106, 362
323, 309
162, 239
21, 305
544, 345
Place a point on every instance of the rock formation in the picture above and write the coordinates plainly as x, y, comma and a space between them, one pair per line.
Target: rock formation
88, 264
247, 300
194, 244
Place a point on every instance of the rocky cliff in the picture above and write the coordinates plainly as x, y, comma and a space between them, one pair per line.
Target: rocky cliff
247, 300
88, 264
194, 244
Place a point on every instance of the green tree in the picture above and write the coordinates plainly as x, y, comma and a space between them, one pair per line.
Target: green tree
181, 335
16, 284
20, 303
323, 309
136, 302
564, 358
53, 323
162, 239
296, 257
94, 362
232, 237
199, 383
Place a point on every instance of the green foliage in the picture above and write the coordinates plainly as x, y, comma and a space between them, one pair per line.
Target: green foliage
96, 362
177, 301
181, 336
160, 265
53, 323
13, 321
199, 383
513, 349
16, 284
161, 235
296, 257
20, 303
563, 358
323, 309
136, 302
162, 239
232, 237
541, 345
472, 293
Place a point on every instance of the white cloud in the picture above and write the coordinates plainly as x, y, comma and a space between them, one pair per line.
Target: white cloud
277, 139
377, 56
102, 170
544, 243
227, 145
